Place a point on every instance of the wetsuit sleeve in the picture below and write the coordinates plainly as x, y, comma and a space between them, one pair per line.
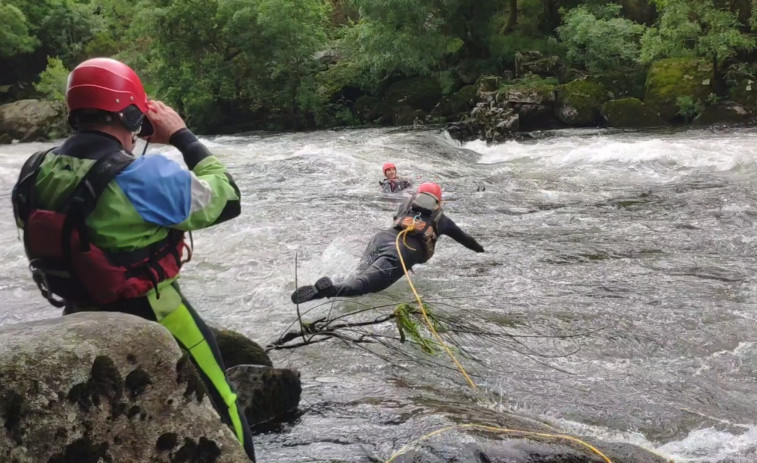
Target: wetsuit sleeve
215, 195
448, 227
403, 184
165, 194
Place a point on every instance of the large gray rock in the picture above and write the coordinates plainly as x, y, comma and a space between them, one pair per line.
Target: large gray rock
92, 387
30, 120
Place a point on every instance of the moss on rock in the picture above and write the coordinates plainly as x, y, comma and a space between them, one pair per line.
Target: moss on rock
237, 349
671, 78
579, 102
630, 113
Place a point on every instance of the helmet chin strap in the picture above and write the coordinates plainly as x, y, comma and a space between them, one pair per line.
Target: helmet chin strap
135, 137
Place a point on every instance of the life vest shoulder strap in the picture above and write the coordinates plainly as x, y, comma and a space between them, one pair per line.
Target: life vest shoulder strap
84, 197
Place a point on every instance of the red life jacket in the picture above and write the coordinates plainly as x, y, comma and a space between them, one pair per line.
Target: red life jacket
63, 261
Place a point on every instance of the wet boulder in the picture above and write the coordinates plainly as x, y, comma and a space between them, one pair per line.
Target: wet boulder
266, 394
630, 113
672, 78
723, 113
578, 103
532, 100
32, 120
104, 387
238, 349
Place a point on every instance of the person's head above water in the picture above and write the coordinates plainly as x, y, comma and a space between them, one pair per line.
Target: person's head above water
432, 189
390, 170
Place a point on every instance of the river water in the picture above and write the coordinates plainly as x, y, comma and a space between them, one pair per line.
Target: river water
617, 288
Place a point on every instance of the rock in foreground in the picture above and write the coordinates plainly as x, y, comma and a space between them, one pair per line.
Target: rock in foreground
95, 387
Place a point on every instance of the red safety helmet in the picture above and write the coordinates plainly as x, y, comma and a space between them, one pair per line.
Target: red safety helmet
388, 165
109, 85
431, 188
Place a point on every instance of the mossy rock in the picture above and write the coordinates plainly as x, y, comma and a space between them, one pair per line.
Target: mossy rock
723, 113
630, 113
537, 92
463, 100
671, 78
487, 84
744, 92
237, 349
579, 102
418, 93
545, 67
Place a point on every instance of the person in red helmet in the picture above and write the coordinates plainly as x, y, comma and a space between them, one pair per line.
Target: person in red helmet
392, 184
104, 230
380, 266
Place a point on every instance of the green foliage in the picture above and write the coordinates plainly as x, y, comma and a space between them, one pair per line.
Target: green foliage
598, 40
226, 63
688, 107
14, 35
66, 29
234, 57
504, 47
293, 30
52, 81
411, 324
701, 29
410, 38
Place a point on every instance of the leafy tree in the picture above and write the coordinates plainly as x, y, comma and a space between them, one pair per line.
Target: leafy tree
67, 28
600, 41
688, 29
403, 37
52, 81
294, 31
14, 35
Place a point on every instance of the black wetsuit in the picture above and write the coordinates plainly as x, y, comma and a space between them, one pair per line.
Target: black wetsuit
394, 185
380, 266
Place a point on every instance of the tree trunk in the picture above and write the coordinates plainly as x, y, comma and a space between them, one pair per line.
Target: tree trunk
512, 18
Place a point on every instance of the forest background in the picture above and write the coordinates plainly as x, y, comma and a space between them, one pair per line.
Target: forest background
236, 65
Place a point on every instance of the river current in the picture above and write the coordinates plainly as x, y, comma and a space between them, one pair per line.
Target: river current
616, 297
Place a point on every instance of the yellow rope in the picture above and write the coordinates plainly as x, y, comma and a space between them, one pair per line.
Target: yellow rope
403, 235
502, 430
423, 310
